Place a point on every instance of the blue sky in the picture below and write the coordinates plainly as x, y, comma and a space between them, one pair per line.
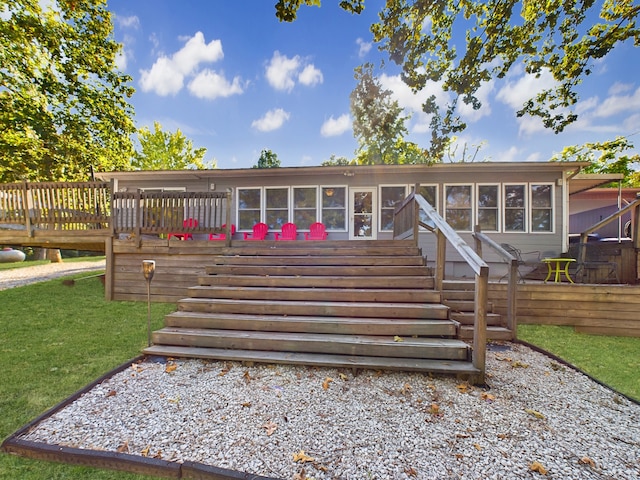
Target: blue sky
236, 81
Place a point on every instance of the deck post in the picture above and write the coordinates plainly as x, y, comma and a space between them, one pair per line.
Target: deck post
441, 254
227, 240
109, 273
480, 324
27, 205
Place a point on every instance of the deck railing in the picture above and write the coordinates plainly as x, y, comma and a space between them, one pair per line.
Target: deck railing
407, 222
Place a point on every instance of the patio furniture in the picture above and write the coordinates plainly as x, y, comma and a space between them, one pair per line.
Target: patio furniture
558, 266
188, 223
316, 231
517, 254
222, 236
289, 232
259, 232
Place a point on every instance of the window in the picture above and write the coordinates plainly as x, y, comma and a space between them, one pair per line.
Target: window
249, 207
276, 207
458, 207
515, 203
430, 194
334, 210
541, 207
304, 206
487, 205
389, 198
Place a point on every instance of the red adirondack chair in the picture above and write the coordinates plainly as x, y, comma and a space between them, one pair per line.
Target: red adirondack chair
222, 236
259, 232
188, 223
316, 232
289, 232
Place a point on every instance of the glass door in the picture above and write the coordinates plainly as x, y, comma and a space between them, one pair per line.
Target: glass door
362, 209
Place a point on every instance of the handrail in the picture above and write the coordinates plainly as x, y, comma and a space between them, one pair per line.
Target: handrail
512, 275
407, 216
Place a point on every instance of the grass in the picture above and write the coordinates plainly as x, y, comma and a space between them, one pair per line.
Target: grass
614, 361
55, 340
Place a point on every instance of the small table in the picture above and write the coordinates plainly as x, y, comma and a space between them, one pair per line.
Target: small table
558, 266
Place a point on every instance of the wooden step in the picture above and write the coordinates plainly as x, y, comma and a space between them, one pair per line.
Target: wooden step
302, 270
460, 285
306, 324
311, 260
493, 333
464, 305
396, 282
300, 249
468, 318
376, 346
329, 309
316, 294
458, 295
446, 367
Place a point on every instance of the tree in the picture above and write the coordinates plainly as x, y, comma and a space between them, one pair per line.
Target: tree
63, 104
166, 151
606, 157
267, 159
338, 161
378, 124
562, 38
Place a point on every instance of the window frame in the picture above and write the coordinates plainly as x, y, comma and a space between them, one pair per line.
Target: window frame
525, 207
471, 202
381, 207
498, 206
292, 211
238, 209
345, 207
551, 208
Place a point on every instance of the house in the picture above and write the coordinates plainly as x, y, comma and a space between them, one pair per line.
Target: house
523, 204
592, 206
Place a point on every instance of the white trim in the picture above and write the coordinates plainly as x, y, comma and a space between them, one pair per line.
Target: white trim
498, 206
552, 208
380, 206
292, 213
525, 207
374, 208
346, 207
472, 201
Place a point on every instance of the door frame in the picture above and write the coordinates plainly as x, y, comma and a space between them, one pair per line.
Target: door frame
374, 213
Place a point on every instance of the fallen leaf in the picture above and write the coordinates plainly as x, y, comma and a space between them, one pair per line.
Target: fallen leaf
537, 467
112, 393
463, 388
398, 339
302, 457
533, 412
246, 404
587, 461
478, 447
247, 376
270, 427
434, 409
502, 436
326, 383
503, 359
145, 452
301, 475
124, 448
171, 367
519, 364
343, 377
158, 455
487, 397
411, 472
406, 389
175, 400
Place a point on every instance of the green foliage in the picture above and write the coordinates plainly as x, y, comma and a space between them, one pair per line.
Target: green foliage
606, 157
378, 124
54, 344
63, 105
166, 151
562, 38
338, 161
614, 361
267, 159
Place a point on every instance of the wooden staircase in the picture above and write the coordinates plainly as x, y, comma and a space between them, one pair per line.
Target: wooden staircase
358, 304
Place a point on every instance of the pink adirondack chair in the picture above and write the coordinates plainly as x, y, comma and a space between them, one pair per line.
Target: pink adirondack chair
289, 232
188, 223
259, 232
316, 232
222, 236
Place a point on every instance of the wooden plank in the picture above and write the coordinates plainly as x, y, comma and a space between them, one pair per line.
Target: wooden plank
329, 309
309, 260
317, 294
320, 360
493, 333
468, 318
313, 270
385, 346
309, 324
317, 281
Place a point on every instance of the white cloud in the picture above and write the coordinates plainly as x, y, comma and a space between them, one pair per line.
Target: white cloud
336, 126
211, 85
166, 76
310, 76
468, 113
121, 60
619, 87
516, 93
364, 47
272, 120
616, 104
128, 22
282, 71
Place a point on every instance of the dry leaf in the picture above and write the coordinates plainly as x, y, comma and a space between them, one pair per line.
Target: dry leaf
502, 436
158, 455
398, 339
487, 397
246, 404
537, 467
478, 447
145, 452
301, 475
535, 413
302, 457
170, 367
411, 472
124, 448
519, 364
247, 377
326, 383
343, 377
406, 389
112, 393
463, 388
270, 427
587, 461
434, 409
175, 400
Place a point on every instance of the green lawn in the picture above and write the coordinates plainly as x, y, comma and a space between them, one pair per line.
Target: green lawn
56, 339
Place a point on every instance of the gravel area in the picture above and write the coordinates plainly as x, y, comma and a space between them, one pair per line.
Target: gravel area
535, 419
17, 277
